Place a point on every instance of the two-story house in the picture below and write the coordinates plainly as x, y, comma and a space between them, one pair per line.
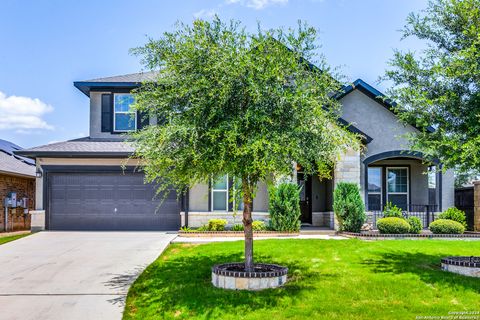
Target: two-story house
81, 184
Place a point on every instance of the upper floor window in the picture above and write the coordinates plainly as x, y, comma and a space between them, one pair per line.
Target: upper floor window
124, 117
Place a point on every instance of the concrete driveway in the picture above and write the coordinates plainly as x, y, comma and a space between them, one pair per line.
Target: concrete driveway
73, 275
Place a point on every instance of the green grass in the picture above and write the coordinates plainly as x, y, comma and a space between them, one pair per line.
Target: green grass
349, 279
11, 238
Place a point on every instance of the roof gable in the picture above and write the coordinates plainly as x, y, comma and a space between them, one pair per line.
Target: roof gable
376, 95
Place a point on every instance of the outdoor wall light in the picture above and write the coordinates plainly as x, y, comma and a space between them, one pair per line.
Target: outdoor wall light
39, 173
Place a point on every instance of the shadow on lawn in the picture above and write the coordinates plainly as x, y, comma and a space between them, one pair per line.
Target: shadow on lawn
184, 283
426, 266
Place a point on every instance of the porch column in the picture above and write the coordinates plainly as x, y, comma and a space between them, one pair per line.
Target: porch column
347, 169
476, 204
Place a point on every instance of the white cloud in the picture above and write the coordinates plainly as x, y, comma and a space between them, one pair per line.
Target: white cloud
23, 113
204, 14
257, 4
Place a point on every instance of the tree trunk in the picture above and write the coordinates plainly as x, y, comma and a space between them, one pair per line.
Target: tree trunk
247, 224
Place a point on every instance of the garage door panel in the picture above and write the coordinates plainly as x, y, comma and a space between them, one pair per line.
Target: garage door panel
109, 201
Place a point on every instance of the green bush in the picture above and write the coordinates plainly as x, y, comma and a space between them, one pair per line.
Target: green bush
258, 226
392, 210
455, 215
416, 225
348, 207
284, 207
202, 228
393, 225
217, 224
237, 227
445, 226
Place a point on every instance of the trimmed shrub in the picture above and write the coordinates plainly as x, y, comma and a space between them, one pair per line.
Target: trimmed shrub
416, 225
202, 228
392, 210
455, 215
445, 226
216, 224
237, 227
258, 226
393, 225
348, 206
284, 207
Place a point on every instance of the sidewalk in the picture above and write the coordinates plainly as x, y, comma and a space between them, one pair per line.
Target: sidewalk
181, 239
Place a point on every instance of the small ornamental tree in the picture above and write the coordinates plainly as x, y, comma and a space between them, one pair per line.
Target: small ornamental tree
233, 102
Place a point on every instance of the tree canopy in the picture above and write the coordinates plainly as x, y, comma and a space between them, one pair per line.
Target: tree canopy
440, 86
229, 101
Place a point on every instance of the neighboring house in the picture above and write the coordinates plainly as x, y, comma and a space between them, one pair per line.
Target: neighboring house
83, 187
17, 174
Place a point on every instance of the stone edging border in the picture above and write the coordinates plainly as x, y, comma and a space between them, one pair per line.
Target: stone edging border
472, 262
277, 271
409, 235
235, 234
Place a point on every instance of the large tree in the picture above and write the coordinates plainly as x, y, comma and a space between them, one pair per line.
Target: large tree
233, 102
440, 85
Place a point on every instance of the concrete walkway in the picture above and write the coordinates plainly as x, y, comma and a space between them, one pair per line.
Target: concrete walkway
73, 275
180, 239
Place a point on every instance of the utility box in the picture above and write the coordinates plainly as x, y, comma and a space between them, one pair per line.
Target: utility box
13, 199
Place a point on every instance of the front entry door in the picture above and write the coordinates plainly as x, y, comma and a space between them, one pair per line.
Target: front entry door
305, 183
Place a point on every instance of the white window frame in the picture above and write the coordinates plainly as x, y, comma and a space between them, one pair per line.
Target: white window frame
408, 184
381, 186
122, 112
220, 190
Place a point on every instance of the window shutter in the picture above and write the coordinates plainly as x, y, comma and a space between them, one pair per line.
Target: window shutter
143, 120
107, 112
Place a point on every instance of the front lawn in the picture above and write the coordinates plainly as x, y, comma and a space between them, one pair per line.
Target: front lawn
329, 279
5, 239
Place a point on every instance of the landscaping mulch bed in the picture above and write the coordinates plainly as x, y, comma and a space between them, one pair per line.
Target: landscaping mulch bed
236, 234
425, 235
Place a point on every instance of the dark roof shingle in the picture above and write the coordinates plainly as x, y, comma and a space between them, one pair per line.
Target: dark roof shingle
10, 163
83, 147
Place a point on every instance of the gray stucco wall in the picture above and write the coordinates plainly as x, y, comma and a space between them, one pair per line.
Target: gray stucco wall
388, 135
198, 197
379, 123
448, 190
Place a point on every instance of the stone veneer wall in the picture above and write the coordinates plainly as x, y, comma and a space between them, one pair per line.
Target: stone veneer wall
323, 219
347, 168
476, 204
466, 271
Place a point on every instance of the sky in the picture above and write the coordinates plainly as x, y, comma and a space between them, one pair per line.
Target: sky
46, 45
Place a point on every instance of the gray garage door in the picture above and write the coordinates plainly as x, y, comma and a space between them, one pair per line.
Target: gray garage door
108, 201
